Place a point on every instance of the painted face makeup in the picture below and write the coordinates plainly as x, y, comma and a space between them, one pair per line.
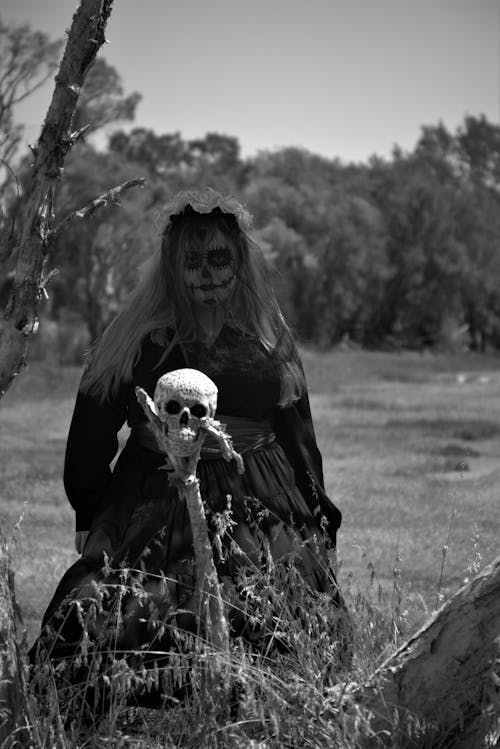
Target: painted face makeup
209, 274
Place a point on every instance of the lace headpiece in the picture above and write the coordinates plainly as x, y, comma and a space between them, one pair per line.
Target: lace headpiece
204, 201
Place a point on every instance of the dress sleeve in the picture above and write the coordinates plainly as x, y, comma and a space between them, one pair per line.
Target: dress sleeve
92, 444
295, 433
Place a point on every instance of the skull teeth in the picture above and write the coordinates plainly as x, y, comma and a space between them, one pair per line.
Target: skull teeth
183, 435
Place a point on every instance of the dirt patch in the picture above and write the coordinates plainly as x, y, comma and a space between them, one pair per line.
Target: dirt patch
468, 431
478, 430
454, 450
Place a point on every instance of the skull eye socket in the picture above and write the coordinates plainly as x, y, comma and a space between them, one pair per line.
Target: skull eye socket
172, 407
199, 411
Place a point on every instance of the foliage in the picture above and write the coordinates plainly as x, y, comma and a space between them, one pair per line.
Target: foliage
102, 101
347, 286
392, 253
98, 257
425, 255
400, 252
28, 58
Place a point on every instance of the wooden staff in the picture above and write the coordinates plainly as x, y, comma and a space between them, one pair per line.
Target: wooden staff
207, 588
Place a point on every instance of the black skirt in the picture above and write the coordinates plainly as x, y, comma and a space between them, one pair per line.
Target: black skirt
140, 551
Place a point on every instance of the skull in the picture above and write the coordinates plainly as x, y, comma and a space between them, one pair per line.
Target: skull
185, 400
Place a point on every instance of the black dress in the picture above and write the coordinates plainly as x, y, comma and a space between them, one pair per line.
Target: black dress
276, 513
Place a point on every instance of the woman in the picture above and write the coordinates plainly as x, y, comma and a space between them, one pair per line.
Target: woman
206, 303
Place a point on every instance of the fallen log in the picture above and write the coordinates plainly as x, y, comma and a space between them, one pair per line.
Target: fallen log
441, 688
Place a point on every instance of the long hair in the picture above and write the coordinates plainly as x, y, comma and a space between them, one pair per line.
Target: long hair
160, 301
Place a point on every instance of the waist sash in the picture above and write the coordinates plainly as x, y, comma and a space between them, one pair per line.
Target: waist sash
247, 435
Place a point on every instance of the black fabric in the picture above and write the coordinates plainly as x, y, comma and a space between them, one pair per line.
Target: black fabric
295, 432
279, 511
248, 383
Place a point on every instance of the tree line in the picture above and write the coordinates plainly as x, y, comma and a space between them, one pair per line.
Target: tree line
400, 252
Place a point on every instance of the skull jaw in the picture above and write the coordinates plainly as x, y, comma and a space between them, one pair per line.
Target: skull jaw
183, 442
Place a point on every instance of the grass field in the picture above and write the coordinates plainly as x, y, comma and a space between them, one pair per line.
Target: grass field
411, 446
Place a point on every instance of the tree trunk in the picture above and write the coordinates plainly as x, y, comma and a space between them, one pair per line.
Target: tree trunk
19, 320
446, 676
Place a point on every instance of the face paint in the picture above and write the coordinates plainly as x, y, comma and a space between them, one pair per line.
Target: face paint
209, 274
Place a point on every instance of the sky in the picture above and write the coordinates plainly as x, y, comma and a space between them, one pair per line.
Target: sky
345, 79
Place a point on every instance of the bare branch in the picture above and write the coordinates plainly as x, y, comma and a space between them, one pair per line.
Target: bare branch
78, 134
4, 162
29, 59
31, 89
45, 281
111, 196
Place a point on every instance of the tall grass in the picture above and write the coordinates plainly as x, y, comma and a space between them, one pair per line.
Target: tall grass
294, 695
410, 446
304, 694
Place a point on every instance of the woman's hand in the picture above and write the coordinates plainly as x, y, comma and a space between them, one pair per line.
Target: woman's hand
81, 540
